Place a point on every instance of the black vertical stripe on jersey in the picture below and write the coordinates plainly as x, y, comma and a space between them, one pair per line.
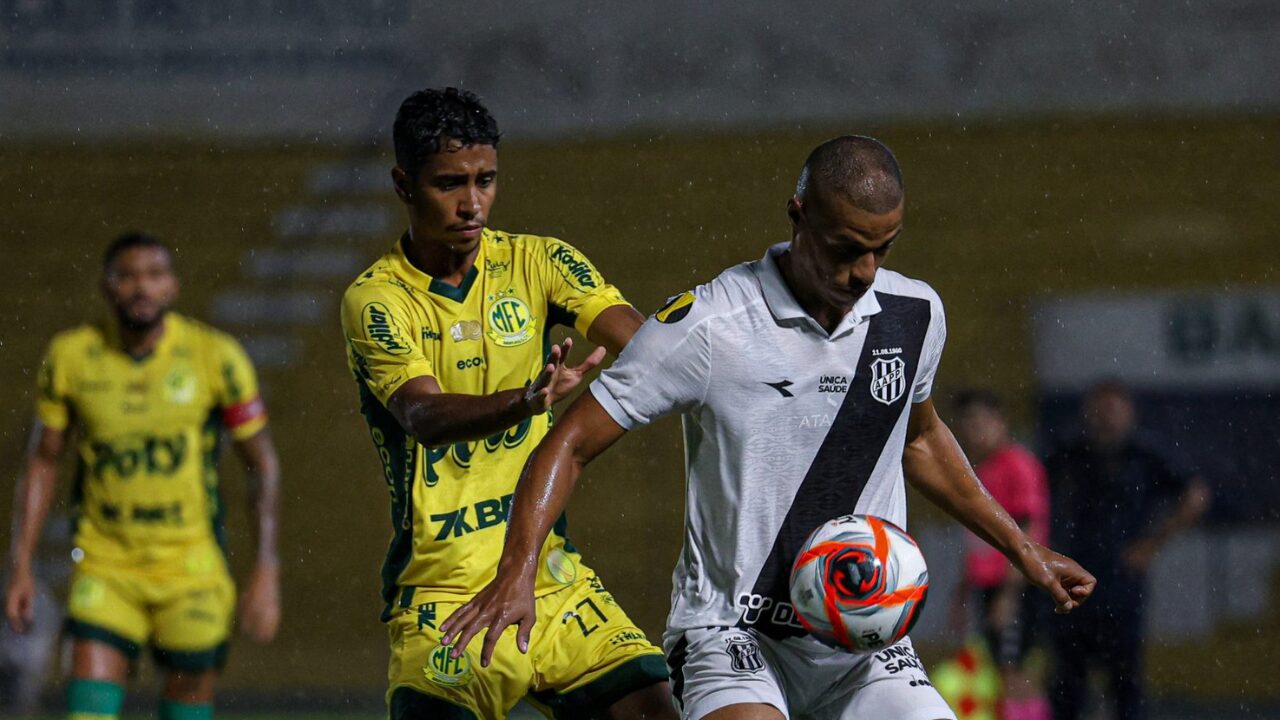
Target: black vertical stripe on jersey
849, 452
675, 663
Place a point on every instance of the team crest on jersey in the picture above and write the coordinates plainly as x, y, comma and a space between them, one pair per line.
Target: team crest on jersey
744, 654
511, 323
676, 309
180, 386
448, 671
888, 379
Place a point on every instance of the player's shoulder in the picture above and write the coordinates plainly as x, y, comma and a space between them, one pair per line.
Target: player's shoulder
895, 283
77, 341
204, 336
380, 281
547, 251
733, 291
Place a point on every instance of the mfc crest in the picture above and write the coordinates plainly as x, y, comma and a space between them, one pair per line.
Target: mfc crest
888, 379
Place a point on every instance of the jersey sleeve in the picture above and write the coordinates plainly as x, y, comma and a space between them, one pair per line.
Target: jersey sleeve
238, 397
381, 333
931, 353
53, 405
575, 286
666, 367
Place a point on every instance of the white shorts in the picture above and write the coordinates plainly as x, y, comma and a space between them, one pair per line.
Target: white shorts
715, 667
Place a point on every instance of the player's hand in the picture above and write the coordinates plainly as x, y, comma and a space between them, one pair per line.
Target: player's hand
20, 601
259, 610
502, 603
557, 379
1069, 584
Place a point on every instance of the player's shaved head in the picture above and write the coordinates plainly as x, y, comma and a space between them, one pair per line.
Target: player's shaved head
855, 168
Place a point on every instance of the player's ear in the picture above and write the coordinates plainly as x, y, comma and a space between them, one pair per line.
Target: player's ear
795, 211
404, 186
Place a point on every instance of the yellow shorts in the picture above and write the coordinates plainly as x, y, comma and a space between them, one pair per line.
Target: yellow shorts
185, 617
584, 653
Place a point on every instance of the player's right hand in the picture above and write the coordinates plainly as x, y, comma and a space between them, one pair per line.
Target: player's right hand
506, 601
20, 601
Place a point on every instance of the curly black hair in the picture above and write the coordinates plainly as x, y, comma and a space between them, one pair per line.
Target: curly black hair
428, 116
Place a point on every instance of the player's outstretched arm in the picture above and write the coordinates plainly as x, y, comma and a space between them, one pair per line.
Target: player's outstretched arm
584, 432
435, 418
32, 500
259, 609
936, 466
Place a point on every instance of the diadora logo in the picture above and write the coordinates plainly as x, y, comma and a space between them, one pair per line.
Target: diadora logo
125, 457
461, 453
781, 386
468, 519
378, 327
510, 321
573, 266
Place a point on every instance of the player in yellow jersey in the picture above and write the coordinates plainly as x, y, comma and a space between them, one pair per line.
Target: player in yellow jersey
447, 335
145, 397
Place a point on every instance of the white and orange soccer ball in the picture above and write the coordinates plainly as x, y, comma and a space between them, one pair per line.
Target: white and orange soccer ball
859, 583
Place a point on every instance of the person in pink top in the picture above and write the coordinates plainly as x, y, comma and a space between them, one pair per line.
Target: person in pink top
1018, 481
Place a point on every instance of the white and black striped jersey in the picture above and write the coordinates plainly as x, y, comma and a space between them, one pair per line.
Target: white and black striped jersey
785, 425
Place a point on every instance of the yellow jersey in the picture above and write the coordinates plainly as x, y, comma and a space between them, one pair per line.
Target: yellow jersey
147, 436
491, 333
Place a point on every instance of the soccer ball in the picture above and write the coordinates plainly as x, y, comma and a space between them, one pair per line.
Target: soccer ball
859, 583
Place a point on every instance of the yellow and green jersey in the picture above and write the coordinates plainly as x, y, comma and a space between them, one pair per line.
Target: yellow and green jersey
147, 432
491, 333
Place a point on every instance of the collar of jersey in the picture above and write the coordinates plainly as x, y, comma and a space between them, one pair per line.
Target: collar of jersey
418, 278
111, 337
784, 306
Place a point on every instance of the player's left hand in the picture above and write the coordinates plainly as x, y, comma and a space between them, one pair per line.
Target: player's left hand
259, 609
557, 379
1069, 584
506, 601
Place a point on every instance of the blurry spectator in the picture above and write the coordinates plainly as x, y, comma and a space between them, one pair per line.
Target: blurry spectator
1117, 499
26, 659
1006, 611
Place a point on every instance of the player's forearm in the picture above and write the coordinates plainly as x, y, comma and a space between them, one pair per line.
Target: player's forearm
438, 419
936, 466
264, 499
33, 498
541, 496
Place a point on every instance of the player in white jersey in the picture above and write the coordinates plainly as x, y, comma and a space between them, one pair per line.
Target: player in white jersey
804, 381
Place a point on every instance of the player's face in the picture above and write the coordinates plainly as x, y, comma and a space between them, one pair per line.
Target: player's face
980, 430
1109, 417
141, 285
837, 247
449, 200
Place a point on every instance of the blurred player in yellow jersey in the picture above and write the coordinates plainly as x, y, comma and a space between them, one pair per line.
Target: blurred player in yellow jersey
447, 335
146, 397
